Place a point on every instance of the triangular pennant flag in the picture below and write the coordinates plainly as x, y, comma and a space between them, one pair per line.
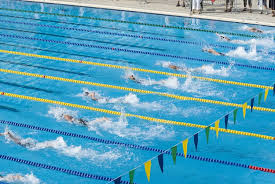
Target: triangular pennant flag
147, 166
265, 94
235, 115
252, 104
244, 109
117, 181
131, 176
184, 145
217, 127
196, 139
174, 153
274, 90
160, 159
226, 121
260, 98
207, 129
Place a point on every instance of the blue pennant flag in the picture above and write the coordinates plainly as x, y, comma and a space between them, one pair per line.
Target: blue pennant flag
196, 139
226, 120
118, 180
274, 90
252, 104
160, 159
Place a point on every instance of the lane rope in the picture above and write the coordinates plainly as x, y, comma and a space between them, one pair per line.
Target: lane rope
133, 115
134, 36
59, 169
137, 52
130, 22
128, 145
137, 69
136, 90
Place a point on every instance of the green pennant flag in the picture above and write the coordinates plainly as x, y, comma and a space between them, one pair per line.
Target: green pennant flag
260, 98
131, 176
235, 115
174, 153
207, 133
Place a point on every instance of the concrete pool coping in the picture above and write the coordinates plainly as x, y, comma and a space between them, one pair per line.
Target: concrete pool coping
101, 4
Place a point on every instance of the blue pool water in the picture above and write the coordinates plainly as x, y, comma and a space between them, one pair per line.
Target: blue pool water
37, 28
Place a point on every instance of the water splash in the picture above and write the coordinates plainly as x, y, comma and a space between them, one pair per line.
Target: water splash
240, 52
18, 178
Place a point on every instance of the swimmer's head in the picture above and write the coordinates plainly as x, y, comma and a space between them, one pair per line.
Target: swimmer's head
86, 93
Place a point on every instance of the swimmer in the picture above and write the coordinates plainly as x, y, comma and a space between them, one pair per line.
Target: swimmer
254, 30
92, 95
71, 119
132, 77
174, 67
222, 37
212, 51
17, 140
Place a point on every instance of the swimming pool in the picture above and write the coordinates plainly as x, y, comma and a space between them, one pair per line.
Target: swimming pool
52, 54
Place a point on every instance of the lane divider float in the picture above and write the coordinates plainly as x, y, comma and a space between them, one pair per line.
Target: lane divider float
129, 145
130, 22
137, 52
137, 90
137, 69
133, 115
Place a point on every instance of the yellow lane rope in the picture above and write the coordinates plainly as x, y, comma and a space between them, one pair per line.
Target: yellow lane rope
138, 69
136, 90
134, 115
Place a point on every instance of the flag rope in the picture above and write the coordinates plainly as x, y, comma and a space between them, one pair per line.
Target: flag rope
134, 115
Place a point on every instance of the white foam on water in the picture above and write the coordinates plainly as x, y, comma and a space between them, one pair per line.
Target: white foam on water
205, 69
18, 178
170, 82
265, 42
121, 128
240, 52
58, 112
130, 99
62, 147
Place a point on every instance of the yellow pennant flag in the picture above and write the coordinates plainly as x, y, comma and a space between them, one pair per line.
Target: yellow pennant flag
217, 127
244, 109
184, 145
265, 94
147, 166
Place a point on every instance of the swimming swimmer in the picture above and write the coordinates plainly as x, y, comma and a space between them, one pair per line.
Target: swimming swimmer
134, 79
17, 140
212, 51
92, 95
71, 119
174, 67
254, 30
222, 37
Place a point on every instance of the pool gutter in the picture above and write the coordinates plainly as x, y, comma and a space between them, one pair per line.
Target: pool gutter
161, 12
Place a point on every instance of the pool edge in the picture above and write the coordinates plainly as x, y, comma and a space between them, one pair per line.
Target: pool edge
200, 16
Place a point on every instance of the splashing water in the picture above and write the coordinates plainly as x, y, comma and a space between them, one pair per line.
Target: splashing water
122, 129
58, 112
240, 52
18, 178
130, 99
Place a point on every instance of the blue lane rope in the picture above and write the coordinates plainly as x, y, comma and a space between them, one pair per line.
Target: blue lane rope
59, 169
138, 52
129, 35
122, 144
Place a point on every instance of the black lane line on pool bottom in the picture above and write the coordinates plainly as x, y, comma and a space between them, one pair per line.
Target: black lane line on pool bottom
88, 25
83, 39
67, 53
138, 52
59, 169
182, 41
2, 107
128, 145
26, 87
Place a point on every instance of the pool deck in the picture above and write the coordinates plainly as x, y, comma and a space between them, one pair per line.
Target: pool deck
168, 7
